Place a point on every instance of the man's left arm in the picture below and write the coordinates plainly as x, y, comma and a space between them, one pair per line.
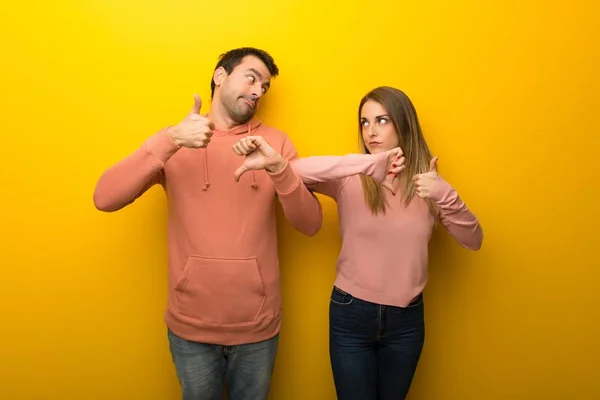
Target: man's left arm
300, 206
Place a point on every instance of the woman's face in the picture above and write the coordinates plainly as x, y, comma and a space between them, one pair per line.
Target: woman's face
378, 131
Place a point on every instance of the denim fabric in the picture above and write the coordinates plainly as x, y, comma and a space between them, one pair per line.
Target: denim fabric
374, 349
202, 369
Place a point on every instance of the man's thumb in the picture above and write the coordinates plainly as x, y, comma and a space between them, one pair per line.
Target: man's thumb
239, 172
197, 104
433, 165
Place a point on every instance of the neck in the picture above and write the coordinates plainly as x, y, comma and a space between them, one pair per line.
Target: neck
219, 116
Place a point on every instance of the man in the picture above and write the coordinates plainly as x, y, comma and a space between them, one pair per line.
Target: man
224, 306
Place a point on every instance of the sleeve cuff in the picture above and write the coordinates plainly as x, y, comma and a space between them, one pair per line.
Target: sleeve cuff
441, 191
161, 146
285, 180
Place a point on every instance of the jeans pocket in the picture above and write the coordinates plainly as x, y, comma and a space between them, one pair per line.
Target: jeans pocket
341, 298
416, 302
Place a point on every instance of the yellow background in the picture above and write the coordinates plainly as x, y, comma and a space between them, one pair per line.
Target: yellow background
508, 98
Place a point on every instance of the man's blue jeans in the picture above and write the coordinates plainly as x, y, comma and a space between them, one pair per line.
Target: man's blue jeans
374, 349
202, 369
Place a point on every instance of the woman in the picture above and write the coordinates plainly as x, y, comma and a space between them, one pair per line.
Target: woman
388, 203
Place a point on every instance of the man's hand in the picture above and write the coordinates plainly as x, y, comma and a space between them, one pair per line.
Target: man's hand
195, 130
425, 183
259, 155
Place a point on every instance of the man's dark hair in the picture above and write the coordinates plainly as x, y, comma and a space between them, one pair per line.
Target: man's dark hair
232, 58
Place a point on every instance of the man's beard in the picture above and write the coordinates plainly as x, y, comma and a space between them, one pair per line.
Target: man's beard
238, 112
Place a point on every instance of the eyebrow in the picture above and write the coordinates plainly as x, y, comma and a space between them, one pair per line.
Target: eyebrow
267, 84
377, 116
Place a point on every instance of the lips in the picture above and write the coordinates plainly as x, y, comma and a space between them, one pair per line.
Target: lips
373, 143
249, 102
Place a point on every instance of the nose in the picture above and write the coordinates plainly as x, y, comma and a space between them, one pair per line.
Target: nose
372, 132
257, 91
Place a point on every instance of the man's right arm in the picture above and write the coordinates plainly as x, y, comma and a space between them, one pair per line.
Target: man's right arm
127, 180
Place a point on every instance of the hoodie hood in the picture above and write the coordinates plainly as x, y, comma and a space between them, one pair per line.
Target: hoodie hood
242, 130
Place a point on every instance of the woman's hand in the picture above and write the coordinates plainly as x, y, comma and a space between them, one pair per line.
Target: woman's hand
425, 183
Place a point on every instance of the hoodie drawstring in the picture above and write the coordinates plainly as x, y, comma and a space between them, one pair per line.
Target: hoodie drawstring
254, 185
206, 181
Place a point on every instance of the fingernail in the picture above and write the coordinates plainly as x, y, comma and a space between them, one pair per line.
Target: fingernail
394, 165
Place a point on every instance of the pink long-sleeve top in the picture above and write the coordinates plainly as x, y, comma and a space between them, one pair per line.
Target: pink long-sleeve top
384, 257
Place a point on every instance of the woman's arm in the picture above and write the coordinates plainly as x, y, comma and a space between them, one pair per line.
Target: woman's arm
454, 214
326, 174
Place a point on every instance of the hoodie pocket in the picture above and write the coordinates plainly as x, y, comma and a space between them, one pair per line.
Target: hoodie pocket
221, 291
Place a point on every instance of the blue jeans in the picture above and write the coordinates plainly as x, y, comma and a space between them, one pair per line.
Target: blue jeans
203, 368
374, 349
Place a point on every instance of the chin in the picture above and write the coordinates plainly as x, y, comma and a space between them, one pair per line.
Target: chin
242, 117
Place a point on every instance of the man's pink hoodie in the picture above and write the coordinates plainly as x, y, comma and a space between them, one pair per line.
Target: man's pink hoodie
223, 272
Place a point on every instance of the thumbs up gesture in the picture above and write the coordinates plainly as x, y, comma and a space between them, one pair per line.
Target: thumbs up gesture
425, 183
195, 130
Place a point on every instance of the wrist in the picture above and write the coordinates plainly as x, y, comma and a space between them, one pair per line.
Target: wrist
440, 189
275, 164
172, 132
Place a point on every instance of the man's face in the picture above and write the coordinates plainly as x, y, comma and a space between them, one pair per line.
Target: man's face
242, 90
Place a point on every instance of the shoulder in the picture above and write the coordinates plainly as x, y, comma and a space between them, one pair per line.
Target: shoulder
270, 132
350, 186
278, 139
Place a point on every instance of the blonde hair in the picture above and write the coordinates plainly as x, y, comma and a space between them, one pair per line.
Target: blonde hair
410, 138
